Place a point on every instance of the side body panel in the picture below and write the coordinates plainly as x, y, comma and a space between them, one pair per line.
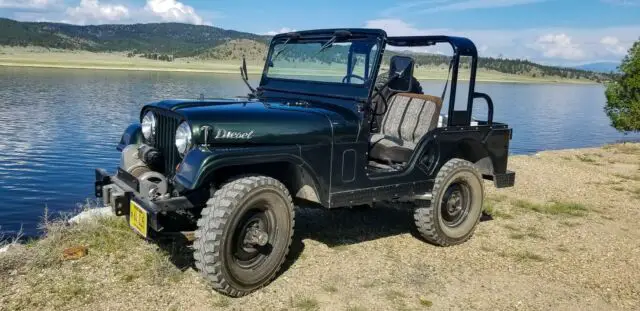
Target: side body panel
473, 143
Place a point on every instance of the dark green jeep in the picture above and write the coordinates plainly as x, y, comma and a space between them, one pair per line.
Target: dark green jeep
323, 128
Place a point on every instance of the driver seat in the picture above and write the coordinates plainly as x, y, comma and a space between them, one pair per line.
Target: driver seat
409, 116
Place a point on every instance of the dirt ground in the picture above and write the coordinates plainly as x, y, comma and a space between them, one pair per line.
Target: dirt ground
566, 237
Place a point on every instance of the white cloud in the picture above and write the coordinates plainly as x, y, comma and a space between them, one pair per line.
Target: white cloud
623, 2
282, 30
564, 46
559, 46
27, 4
478, 4
433, 6
613, 45
406, 7
609, 40
106, 11
173, 11
92, 11
396, 27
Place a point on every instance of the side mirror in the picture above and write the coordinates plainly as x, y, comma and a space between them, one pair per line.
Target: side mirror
401, 73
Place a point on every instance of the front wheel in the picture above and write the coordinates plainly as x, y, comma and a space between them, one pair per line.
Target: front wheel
244, 234
456, 205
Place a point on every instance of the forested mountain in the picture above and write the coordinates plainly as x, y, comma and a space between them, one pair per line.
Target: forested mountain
236, 49
511, 66
168, 38
167, 41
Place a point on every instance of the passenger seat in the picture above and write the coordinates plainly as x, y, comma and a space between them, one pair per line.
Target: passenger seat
409, 117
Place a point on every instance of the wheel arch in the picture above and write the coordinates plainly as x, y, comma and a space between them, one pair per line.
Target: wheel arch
131, 135
475, 152
299, 179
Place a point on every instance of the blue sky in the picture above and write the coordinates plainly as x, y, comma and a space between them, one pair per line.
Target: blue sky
547, 31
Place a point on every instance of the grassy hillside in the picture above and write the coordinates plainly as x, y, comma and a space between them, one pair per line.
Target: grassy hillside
169, 38
235, 49
168, 42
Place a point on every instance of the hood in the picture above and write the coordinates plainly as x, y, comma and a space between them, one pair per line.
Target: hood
242, 121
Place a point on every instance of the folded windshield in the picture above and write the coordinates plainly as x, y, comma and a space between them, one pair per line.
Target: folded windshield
331, 59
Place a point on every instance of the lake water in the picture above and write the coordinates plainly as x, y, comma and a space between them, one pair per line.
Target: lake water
57, 125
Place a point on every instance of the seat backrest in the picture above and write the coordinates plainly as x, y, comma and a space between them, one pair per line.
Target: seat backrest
410, 116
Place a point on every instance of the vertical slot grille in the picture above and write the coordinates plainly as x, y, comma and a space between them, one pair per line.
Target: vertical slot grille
165, 139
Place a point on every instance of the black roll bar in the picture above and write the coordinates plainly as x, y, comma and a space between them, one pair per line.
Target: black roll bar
489, 105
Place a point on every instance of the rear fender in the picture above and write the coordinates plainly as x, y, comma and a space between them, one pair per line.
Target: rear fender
489, 152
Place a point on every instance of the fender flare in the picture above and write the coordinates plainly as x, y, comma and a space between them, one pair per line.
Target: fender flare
132, 135
200, 165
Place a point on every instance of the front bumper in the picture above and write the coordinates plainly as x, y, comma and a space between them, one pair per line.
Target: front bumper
119, 190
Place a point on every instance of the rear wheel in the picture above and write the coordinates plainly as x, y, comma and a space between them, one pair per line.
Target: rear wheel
456, 206
244, 234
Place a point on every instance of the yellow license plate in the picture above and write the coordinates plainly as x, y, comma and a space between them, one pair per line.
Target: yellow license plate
138, 218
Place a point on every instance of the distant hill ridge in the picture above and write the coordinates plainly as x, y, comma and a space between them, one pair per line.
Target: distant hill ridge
181, 40
605, 67
207, 42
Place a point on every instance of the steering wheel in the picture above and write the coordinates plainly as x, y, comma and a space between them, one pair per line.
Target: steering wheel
378, 92
344, 80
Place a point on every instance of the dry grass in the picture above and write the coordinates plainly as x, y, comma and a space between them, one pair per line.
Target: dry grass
554, 208
531, 233
305, 303
497, 207
563, 246
525, 256
46, 281
626, 148
586, 158
634, 177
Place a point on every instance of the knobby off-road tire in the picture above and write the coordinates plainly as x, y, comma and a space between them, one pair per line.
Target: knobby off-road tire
220, 251
437, 221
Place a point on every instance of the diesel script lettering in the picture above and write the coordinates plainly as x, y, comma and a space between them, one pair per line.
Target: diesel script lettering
224, 134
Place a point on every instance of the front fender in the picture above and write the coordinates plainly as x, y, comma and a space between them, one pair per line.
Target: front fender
132, 135
199, 164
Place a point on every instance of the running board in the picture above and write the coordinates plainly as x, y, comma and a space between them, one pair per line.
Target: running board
380, 193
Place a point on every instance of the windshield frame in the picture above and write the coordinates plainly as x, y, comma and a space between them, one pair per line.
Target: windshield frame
324, 88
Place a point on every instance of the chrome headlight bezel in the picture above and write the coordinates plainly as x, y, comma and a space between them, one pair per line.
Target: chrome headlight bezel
184, 138
149, 125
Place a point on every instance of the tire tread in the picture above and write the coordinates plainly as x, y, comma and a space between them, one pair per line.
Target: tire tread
211, 225
425, 218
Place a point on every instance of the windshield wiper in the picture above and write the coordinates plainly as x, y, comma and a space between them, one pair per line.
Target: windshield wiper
328, 44
293, 35
336, 35
282, 49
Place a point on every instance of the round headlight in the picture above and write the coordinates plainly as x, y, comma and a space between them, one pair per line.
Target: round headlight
183, 138
148, 125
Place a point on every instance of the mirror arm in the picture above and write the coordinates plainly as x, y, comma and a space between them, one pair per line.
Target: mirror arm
245, 76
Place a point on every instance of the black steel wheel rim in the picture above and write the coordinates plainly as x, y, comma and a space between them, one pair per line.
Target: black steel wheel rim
455, 204
260, 218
